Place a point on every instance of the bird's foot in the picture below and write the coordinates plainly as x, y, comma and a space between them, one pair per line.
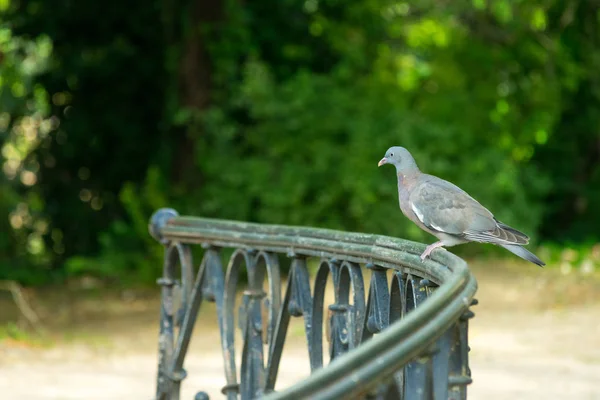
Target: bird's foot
427, 253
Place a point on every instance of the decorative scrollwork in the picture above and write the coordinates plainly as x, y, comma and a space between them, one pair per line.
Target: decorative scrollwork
437, 367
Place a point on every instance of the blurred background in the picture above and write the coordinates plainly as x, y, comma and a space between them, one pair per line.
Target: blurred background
277, 111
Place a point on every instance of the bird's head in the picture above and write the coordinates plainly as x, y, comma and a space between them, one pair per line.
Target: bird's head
400, 158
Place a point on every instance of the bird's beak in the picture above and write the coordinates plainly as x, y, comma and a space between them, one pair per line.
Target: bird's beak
383, 161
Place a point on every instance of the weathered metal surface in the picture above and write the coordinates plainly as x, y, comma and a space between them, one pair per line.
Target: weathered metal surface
406, 338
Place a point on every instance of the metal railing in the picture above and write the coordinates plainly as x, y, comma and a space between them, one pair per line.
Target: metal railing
406, 339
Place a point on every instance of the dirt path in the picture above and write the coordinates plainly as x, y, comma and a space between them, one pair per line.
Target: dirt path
535, 336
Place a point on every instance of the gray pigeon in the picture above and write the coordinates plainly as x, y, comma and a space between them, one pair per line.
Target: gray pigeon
448, 212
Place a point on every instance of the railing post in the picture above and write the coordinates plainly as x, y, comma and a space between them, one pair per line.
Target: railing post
165, 339
460, 373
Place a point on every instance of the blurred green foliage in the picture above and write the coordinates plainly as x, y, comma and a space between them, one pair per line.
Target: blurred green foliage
278, 111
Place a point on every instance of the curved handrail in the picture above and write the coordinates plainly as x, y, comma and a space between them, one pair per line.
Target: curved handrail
318, 242
379, 357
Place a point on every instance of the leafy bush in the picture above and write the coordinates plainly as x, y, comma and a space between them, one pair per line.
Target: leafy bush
278, 112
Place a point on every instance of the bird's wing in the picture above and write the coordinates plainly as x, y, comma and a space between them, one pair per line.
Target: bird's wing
501, 234
444, 207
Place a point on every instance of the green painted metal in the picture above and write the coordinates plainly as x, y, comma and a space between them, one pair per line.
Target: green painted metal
420, 345
389, 252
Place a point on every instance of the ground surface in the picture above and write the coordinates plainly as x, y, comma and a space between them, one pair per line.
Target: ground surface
536, 335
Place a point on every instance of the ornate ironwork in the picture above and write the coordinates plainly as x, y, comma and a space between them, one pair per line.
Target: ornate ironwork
406, 339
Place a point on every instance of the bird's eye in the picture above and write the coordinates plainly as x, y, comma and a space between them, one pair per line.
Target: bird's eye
391, 154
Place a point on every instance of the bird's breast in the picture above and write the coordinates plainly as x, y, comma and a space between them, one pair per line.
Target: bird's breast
403, 197
405, 187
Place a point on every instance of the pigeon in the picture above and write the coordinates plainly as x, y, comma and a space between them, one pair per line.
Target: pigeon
448, 212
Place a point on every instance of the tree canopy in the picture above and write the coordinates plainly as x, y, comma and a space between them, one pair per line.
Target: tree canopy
278, 111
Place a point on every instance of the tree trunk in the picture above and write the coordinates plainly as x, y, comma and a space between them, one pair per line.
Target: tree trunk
194, 83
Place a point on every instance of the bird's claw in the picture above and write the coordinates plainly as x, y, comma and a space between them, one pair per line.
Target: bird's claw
427, 253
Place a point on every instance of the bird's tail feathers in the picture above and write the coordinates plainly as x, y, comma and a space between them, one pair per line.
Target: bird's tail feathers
523, 253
